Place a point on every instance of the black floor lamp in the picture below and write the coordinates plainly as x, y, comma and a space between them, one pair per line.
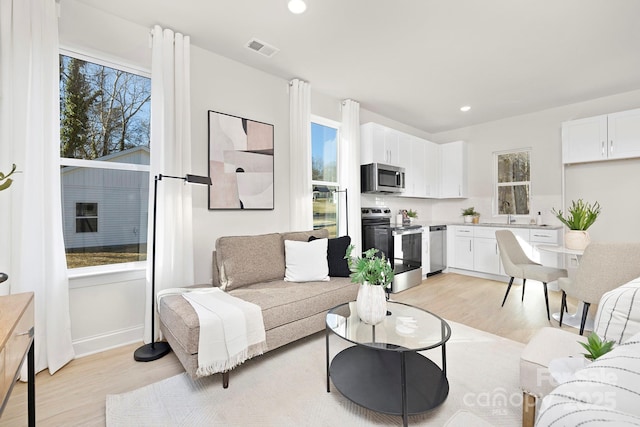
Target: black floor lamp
155, 350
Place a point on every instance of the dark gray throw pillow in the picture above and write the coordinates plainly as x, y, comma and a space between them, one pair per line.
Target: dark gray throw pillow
336, 248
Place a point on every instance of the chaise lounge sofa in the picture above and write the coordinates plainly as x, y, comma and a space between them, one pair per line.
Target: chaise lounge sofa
253, 268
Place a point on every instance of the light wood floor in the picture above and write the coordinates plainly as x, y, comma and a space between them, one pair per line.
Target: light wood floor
75, 396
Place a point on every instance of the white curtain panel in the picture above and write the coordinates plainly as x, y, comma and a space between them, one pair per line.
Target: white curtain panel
170, 155
349, 167
31, 210
301, 195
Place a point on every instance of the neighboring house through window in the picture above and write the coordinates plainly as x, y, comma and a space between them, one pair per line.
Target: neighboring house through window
104, 158
513, 182
324, 173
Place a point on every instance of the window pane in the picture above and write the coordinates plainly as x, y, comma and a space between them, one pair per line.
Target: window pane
324, 209
110, 229
513, 167
324, 153
104, 112
513, 199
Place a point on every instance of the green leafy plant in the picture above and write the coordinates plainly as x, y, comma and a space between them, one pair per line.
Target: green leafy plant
470, 212
7, 182
412, 214
596, 347
581, 215
372, 268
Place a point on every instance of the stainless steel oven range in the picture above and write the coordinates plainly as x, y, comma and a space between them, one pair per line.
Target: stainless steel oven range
400, 243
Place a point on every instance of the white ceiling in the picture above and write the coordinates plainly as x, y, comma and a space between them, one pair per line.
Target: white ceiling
419, 61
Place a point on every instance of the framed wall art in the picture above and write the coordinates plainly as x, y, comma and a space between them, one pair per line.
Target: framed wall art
240, 163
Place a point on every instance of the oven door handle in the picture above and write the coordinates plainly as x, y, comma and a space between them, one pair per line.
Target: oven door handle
405, 232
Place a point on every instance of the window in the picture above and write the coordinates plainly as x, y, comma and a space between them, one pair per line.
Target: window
86, 217
324, 174
513, 182
104, 158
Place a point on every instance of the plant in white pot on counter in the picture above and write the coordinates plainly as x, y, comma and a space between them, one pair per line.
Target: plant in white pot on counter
374, 273
469, 214
581, 215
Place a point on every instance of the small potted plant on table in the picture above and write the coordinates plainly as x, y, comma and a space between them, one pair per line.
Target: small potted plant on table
581, 216
374, 273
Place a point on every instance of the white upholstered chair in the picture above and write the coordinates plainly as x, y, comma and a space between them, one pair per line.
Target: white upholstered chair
518, 265
603, 267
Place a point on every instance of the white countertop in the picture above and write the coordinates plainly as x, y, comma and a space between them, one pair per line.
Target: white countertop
490, 224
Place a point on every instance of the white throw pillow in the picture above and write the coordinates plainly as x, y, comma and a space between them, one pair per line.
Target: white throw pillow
306, 261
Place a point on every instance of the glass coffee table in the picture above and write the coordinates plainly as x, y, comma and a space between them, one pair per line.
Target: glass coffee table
383, 371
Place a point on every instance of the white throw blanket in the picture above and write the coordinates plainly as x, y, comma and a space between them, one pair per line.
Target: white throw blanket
231, 329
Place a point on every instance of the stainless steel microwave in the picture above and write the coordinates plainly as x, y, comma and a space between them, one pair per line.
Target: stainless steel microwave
379, 178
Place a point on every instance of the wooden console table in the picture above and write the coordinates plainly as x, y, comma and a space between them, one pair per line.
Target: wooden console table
16, 341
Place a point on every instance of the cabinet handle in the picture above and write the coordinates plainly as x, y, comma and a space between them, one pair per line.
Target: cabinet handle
602, 148
611, 146
469, 245
496, 248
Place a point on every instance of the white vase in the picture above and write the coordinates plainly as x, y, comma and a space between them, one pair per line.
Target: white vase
576, 239
468, 219
371, 303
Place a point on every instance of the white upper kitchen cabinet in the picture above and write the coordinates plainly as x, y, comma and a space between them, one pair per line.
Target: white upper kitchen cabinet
379, 144
413, 159
624, 134
453, 170
605, 137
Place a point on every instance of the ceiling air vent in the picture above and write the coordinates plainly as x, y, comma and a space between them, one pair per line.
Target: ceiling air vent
262, 48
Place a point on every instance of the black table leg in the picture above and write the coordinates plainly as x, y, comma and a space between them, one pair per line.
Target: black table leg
405, 404
326, 335
31, 386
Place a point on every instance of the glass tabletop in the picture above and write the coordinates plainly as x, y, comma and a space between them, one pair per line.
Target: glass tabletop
406, 328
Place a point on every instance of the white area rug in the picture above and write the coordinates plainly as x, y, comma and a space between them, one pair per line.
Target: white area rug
287, 387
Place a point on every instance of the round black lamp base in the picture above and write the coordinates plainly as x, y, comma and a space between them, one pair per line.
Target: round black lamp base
153, 351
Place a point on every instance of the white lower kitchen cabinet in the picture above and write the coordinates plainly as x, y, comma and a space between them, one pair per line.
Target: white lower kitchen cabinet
476, 248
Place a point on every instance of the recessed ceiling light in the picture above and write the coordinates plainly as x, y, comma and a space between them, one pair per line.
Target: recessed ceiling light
465, 108
297, 6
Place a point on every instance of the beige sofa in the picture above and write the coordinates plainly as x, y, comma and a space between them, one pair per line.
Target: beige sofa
253, 268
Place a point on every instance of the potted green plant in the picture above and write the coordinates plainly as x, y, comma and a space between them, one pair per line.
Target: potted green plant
469, 214
3, 186
7, 182
596, 347
374, 273
413, 215
581, 215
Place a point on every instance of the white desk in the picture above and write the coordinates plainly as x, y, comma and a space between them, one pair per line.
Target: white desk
575, 319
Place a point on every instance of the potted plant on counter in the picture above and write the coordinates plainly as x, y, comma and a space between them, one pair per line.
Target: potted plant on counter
580, 217
413, 215
374, 273
470, 215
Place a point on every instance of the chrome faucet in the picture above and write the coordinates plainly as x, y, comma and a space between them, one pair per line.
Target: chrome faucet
510, 219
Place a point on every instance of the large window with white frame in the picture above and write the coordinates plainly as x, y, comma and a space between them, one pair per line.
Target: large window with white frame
512, 182
325, 135
104, 159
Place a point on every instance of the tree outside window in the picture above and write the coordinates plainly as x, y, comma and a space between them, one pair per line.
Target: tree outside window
324, 174
513, 183
104, 157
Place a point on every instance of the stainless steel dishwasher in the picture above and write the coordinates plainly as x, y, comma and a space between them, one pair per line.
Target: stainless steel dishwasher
437, 249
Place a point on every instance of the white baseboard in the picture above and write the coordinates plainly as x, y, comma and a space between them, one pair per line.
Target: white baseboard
99, 343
